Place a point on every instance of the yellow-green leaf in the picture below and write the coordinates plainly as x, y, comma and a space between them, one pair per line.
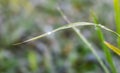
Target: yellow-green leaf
32, 60
113, 48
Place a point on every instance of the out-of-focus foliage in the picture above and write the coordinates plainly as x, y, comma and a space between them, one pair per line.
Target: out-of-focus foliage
117, 17
61, 52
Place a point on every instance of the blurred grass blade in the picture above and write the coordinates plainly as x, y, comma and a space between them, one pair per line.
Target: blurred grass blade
117, 18
32, 60
101, 38
113, 48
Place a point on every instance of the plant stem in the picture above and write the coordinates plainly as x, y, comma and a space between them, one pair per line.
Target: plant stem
105, 49
117, 18
86, 42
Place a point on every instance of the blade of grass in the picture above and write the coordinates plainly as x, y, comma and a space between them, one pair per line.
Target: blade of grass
101, 38
107, 29
85, 41
113, 48
32, 61
66, 27
58, 29
117, 18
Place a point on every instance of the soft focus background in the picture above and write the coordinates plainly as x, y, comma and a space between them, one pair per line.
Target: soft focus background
61, 52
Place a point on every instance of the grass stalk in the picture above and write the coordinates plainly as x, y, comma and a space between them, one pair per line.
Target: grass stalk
105, 49
71, 25
117, 18
86, 42
77, 24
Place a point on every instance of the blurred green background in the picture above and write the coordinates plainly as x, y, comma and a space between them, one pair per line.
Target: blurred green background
61, 52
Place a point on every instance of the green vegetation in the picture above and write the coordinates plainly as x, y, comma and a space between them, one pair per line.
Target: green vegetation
50, 36
106, 50
117, 17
